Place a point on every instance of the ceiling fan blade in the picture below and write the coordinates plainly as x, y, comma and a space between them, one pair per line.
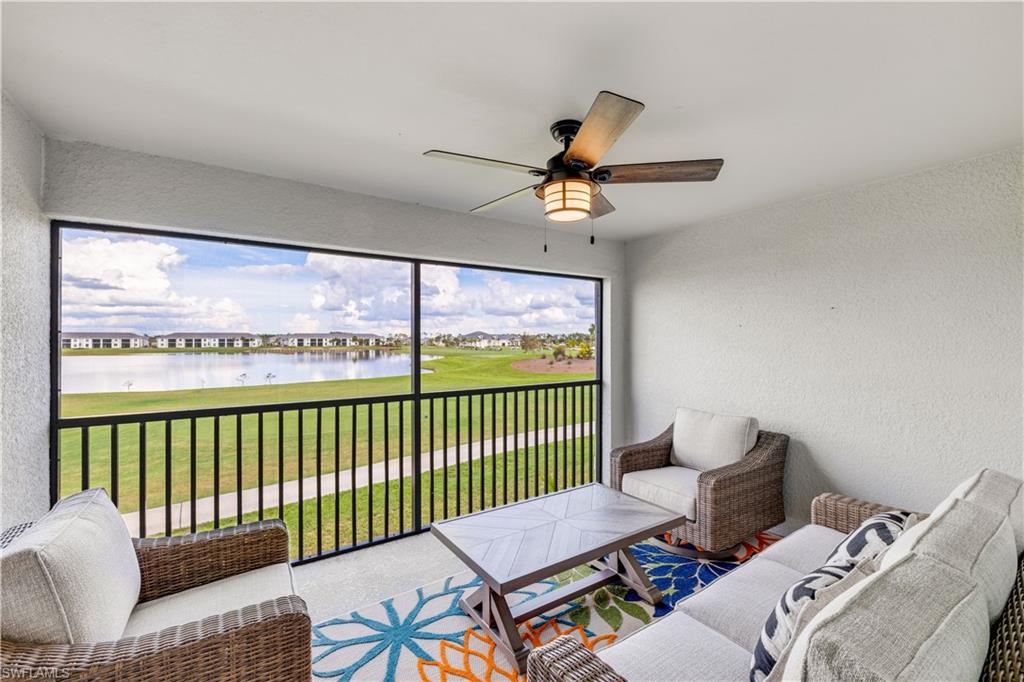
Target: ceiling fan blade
501, 200
600, 206
481, 161
702, 170
608, 118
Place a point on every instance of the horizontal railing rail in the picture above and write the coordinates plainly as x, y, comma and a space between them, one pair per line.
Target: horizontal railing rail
342, 473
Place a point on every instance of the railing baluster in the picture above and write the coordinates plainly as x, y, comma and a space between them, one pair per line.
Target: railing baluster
142, 479
444, 453
113, 464
301, 511
387, 473
192, 475
565, 437
401, 466
369, 472
590, 441
319, 487
238, 469
280, 464
515, 444
458, 456
547, 427
536, 442
483, 441
554, 433
352, 471
504, 447
431, 460
168, 425
337, 477
494, 449
85, 458
259, 469
469, 445
216, 473
574, 435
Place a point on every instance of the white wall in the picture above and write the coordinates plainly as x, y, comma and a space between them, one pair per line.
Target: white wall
879, 326
95, 183
24, 325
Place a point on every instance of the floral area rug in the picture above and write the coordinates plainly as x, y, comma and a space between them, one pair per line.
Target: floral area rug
424, 635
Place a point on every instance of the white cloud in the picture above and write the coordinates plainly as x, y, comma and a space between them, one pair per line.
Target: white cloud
301, 323
362, 294
126, 284
272, 269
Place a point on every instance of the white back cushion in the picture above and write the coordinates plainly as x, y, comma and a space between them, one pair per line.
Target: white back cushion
976, 541
72, 577
918, 619
999, 492
705, 440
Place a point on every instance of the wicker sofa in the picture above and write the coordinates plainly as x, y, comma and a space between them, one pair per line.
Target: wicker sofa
213, 605
712, 634
730, 503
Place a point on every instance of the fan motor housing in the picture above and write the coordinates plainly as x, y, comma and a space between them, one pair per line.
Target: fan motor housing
565, 130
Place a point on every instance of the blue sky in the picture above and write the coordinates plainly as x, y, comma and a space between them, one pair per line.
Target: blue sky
152, 285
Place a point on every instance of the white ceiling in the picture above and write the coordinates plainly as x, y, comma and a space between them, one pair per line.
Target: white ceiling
797, 98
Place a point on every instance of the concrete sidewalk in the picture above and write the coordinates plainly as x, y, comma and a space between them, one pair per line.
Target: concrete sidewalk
180, 511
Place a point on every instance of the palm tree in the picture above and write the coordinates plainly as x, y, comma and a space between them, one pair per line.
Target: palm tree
242, 378
270, 377
128, 385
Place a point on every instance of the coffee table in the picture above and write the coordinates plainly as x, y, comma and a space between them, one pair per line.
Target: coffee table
518, 544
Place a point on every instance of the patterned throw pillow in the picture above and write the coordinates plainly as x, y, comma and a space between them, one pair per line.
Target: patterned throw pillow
856, 551
871, 538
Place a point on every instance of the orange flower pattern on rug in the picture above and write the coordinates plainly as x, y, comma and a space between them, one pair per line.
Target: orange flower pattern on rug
474, 660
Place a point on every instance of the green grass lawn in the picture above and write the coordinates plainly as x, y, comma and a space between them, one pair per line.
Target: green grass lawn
483, 484
340, 445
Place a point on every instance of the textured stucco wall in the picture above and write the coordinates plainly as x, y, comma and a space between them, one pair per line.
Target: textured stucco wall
91, 182
879, 326
24, 324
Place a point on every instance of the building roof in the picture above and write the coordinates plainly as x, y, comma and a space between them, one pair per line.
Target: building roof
101, 335
331, 335
207, 335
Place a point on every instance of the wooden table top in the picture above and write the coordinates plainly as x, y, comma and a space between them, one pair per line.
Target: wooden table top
515, 545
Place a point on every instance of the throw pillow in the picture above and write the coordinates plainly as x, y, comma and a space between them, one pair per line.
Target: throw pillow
871, 538
780, 628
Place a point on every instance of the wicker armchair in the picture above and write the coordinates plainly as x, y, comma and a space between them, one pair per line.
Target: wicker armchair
566, 660
266, 641
733, 502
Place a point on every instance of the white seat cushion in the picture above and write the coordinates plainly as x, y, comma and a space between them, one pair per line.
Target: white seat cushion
974, 540
221, 596
705, 440
677, 647
670, 487
804, 549
72, 577
737, 604
918, 619
999, 492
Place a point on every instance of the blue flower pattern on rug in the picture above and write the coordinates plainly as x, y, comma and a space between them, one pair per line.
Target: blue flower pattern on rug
677, 577
400, 632
364, 647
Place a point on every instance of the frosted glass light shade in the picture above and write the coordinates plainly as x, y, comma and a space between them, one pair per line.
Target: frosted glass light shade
566, 201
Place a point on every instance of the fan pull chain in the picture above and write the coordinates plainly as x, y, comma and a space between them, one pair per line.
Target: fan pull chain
591, 230
545, 236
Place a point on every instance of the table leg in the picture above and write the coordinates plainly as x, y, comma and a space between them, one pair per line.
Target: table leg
633, 575
491, 612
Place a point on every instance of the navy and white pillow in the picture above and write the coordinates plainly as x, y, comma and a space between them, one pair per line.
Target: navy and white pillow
860, 547
871, 538
780, 628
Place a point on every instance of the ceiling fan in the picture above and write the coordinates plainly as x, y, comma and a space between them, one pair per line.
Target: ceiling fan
571, 183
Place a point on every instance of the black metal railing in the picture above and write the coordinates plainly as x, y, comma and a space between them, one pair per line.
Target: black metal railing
343, 474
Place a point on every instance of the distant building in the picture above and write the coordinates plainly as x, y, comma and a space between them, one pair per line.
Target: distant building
485, 340
208, 340
331, 340
102, 340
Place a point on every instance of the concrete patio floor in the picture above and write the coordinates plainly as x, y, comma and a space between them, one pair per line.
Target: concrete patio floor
335, 586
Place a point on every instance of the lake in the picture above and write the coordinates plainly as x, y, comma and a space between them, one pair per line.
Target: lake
176, 371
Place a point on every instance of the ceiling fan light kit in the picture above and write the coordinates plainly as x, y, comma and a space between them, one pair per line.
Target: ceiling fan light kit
570, 188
